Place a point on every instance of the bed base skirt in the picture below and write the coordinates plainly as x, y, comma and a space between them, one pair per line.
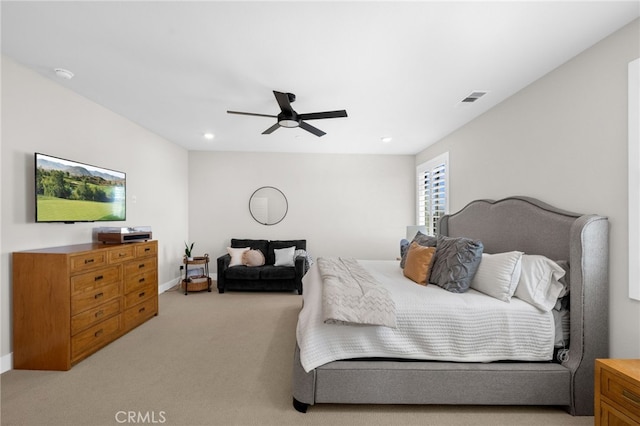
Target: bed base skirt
432, 383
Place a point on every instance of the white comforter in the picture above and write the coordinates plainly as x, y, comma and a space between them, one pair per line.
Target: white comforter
432, 324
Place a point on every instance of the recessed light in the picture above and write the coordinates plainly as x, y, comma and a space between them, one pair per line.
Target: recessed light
209, 136
386, 139
62, 73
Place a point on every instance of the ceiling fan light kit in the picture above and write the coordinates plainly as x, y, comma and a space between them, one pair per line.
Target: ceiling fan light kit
289, 118
287, 122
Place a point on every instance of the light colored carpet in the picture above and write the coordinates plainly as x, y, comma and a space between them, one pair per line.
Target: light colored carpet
214, 359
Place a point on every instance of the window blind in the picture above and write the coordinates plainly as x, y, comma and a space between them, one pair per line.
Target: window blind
432, 192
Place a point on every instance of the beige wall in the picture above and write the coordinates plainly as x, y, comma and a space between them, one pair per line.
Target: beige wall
343, 205
41, 116
563, 139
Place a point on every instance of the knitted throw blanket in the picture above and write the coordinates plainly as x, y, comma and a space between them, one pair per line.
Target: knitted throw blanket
351, 296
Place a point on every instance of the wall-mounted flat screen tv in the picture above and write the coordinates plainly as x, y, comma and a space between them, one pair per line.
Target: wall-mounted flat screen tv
69, 191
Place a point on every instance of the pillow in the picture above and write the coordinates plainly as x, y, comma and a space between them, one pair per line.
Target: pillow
539, 283
236, 255
498, 274
404, 247
563, 328
418, 263
564, 280
422, 240
284, 256
252, 258
457, 260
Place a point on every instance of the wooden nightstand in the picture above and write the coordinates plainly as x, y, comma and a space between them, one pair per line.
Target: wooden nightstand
617, 392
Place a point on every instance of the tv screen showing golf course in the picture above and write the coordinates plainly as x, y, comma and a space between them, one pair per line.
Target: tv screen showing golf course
70, 191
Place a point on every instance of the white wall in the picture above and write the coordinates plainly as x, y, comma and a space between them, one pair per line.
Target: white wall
343, 205
39, 115
563, 139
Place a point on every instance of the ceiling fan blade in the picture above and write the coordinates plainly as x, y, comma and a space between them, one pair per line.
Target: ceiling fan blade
326, 114
271, 129
283, 101
310, 128
252, 113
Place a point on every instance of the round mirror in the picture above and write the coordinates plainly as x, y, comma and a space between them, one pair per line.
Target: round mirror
268, 205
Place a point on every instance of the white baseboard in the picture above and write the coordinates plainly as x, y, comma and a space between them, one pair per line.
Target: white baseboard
6, 363
174, 282
168, 286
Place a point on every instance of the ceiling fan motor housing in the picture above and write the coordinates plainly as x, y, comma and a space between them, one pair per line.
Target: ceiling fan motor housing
288, 120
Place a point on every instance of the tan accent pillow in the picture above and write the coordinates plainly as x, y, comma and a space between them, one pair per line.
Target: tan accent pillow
418, 264
253, 258
236, 255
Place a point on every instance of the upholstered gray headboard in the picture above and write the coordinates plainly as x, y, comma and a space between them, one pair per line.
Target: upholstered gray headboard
531, 226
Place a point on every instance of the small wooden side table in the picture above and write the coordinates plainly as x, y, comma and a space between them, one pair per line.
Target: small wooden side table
202, 282
617, 392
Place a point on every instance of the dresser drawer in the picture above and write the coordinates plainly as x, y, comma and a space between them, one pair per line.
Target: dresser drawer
95, 279
610, 416
122, 253
92, 338
139, 281
93, 316
146, 249
138, 314
143, 293
140, 266
621, 392
94, 298
82, 262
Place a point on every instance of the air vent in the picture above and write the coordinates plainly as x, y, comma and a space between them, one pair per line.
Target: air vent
474, 96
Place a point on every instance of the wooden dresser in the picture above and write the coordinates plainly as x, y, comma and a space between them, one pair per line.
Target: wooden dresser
70, 301
617, 392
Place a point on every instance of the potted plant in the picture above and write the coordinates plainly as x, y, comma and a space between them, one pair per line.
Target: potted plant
187, 250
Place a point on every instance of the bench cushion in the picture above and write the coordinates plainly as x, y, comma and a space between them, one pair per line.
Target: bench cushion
269, 272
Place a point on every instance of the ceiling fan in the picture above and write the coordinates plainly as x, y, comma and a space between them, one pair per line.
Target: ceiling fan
289, 118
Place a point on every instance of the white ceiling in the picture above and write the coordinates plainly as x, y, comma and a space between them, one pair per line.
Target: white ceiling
400, 69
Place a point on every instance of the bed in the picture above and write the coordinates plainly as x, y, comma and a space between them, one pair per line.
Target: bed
565, 378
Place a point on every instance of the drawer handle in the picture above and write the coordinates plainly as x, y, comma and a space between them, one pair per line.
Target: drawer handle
98, 333
99, 314
141, 280
98, 278
88, 261
141, 310
141, 265
141, 294
147, 249
98, 296
631, 396
122, 254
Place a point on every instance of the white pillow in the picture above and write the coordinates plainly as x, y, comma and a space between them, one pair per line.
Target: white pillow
284, 256
236, 255
539, 281
498, 274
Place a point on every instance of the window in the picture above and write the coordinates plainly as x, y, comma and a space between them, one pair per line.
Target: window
432, 199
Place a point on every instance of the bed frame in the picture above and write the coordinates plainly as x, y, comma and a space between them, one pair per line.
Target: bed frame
514, 223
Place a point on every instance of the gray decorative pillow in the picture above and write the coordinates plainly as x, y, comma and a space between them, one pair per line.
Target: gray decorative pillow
422, 240
457, 260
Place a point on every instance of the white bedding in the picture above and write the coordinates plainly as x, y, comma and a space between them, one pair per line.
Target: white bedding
432, 324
